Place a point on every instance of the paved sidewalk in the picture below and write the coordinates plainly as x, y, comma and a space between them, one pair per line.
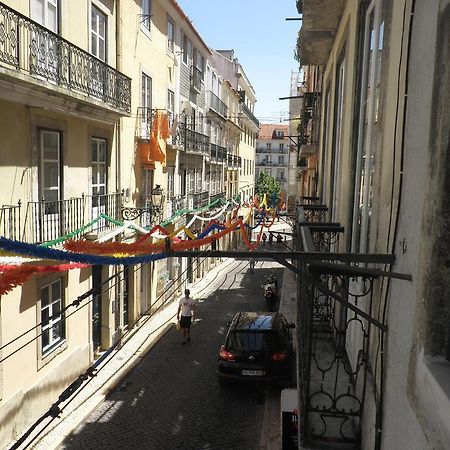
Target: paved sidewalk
52, 432
271, 431
109, 374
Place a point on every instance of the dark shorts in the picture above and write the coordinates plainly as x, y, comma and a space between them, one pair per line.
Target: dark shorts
185, 322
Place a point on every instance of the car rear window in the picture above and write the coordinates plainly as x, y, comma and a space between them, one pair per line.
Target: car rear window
245, 341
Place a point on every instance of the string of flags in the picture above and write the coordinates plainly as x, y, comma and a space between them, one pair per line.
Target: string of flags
152, 245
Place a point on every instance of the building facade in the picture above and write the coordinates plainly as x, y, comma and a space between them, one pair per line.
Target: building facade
272, 148
377, 85
113, 113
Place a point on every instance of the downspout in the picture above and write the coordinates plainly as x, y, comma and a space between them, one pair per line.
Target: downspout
379, 416
119, 68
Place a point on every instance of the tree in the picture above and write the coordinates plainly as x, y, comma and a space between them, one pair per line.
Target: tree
267, 184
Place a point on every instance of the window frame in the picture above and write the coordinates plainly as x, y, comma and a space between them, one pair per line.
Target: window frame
48, 325
170, 36
96, 33
146, 15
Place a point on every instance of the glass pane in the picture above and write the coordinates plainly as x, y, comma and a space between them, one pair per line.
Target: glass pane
56, 332
37, 11
44, 296
94, 151
101, 25
52, 18
51, 175
56, 291
101, 52
102, 151
45, 315
94, 44
56, 312
101, 175
45, 339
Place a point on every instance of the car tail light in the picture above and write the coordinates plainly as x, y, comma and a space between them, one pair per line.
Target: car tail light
279, 357
226, 355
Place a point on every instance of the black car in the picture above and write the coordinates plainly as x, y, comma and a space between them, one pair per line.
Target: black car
258, 347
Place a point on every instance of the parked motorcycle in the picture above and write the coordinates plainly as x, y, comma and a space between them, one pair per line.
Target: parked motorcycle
270, 290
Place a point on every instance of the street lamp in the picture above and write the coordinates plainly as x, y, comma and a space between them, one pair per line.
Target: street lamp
157, 195
152, 210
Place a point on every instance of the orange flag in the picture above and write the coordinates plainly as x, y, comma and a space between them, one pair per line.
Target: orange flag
160, 132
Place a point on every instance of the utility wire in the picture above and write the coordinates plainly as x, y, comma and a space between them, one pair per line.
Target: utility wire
77, 385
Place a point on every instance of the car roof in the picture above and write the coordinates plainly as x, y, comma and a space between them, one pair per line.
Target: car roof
253, 321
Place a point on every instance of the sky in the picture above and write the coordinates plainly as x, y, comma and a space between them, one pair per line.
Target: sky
262, 39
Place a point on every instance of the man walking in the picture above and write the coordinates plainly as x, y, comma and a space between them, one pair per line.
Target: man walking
187, 307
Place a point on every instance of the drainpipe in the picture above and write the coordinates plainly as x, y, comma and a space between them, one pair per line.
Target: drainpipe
119, 68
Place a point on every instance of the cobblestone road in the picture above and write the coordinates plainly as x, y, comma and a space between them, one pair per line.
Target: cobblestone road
172, 400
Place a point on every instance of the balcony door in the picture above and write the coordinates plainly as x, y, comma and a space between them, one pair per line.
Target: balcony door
98, 181
44, 45
98, 49
50, 184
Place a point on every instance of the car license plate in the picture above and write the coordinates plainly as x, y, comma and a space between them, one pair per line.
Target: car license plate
257, 373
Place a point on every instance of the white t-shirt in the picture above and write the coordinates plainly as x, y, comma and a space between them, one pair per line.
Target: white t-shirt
187, 304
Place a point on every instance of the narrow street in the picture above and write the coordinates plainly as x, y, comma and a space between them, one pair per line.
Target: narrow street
172, 398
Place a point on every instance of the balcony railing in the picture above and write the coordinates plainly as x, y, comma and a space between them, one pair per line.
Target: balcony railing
49, 220
109, 205
246, 110
10, 225
216, 196
217, 105
144, 122
218, 153
194, 141
234, 161
196, 79
199, 199
28, 47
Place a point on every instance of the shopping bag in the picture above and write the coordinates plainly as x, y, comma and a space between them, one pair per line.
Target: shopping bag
178, 325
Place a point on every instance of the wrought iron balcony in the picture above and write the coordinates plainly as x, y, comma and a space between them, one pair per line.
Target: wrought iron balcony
246, 110
196, 79
338, 318
179, 203
193, 141
217, 196
217, 105
26, 46
144, 122
199, 199
218, 153
10, 224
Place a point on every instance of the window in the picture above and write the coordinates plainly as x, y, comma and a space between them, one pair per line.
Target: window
367, 145
281, 159
98, 149
146, 91
337, 137
170, 106
281, 147
170, 35
147, 184
146, 8
50, 176
52, 316
268, 146
170, 182
45, 12
98, 33
185, 48
45, 61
